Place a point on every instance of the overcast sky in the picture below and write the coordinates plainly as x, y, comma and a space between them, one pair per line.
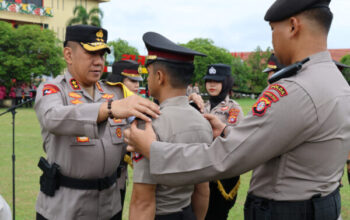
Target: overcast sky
235, 25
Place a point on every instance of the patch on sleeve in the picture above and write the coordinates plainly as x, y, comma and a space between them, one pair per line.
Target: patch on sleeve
74, 83
232, 115
136, 156
280, 89
50, 89
271, 96
265, 101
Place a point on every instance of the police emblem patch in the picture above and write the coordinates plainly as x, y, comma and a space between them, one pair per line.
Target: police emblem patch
74, 84
259, 108
50, 89
212, 70
136, 156
280, 89
118, 132
233, 113
271, 96
75, 95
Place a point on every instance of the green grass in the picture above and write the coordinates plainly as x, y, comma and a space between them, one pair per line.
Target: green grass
29, 149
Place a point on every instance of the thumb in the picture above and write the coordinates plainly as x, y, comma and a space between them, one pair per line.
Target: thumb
209, 117
148, 125
130, 148
133, 125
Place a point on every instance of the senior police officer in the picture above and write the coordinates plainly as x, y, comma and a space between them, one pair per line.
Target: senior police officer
81, 125
297, 136
273, 65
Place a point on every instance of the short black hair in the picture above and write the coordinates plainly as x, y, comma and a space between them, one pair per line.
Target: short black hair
323, 16
71, 44
180, 74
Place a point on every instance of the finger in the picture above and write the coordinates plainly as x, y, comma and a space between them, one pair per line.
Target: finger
148, 126
130, 148
146, 111
209, 117
141, 116
150, 105
126, 133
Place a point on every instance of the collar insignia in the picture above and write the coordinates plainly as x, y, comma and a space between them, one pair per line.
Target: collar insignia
74, 83
99, 87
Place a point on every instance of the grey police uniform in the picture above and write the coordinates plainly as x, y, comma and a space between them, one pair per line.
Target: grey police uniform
297, 138
82, 148
178, 123
228, 111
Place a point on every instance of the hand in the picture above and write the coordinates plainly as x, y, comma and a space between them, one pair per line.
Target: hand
140, 140
198, 100
216, 124
135, 106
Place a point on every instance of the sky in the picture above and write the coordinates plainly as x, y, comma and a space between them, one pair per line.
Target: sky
237, 26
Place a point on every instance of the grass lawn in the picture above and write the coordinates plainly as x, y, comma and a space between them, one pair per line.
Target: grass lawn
29, 149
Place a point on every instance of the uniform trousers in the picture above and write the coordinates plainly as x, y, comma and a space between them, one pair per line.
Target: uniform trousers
118, 216
317, 208
186, 214
219, 207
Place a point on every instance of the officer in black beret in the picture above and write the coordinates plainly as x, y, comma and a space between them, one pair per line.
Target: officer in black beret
273, 65
82, 122
296, 138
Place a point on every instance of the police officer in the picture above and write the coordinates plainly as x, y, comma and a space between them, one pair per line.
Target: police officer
218, 83
297, 136
273, 65
81, 125
170, 68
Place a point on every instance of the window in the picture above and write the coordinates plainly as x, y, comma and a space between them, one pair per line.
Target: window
38, 3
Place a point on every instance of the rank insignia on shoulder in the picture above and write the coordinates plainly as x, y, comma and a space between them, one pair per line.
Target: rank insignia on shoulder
136, 156
99, 87
50, 89
76, 101
74, 83
280, 89
107, 96
75, 95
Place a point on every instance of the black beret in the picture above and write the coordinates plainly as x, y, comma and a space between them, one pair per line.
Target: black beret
91, 38
283, 9
128, 68
217, 72
273, 64
161, 48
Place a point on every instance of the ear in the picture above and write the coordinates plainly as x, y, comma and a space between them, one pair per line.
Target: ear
160, 77
294, 26
67, 54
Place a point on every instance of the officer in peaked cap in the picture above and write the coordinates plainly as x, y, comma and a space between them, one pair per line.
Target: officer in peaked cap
82, 137
170, 68
273, 65
126, 72
296, 136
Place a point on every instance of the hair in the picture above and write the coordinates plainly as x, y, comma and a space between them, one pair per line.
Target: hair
71, 44
180, 75
323, 16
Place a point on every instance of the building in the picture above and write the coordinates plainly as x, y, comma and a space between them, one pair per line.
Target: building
52, 14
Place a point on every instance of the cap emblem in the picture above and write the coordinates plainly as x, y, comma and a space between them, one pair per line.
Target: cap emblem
99, 36
212, 70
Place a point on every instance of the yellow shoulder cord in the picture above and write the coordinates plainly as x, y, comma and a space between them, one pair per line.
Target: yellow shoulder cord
127, 159
126, 91
233, 192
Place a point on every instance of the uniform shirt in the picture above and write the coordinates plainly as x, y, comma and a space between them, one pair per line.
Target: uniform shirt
228, 111
296, 139
82, 148
178, 123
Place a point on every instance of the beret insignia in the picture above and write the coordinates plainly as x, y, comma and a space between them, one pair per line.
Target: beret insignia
212, 70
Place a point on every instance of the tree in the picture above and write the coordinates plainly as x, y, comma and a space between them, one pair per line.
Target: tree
122, 47
81, 16
346, 71
257, 61
28, 52
214, 55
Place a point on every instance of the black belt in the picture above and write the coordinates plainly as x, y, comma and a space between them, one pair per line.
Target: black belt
89, 184
185, 214
318, 208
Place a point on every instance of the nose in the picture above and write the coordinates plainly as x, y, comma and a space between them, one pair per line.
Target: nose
99, 59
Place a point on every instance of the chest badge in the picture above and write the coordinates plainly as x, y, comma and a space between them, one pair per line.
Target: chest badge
76, 101
118, 132
75, 95
107, 96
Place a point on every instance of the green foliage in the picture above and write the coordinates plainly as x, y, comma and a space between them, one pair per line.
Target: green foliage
248, 75
122, 47
82, 16
28, 52
346, 72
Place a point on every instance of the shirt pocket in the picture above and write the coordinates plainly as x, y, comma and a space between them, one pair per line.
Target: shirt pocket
116, 128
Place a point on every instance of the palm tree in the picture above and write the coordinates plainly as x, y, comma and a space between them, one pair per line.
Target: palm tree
81, 16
